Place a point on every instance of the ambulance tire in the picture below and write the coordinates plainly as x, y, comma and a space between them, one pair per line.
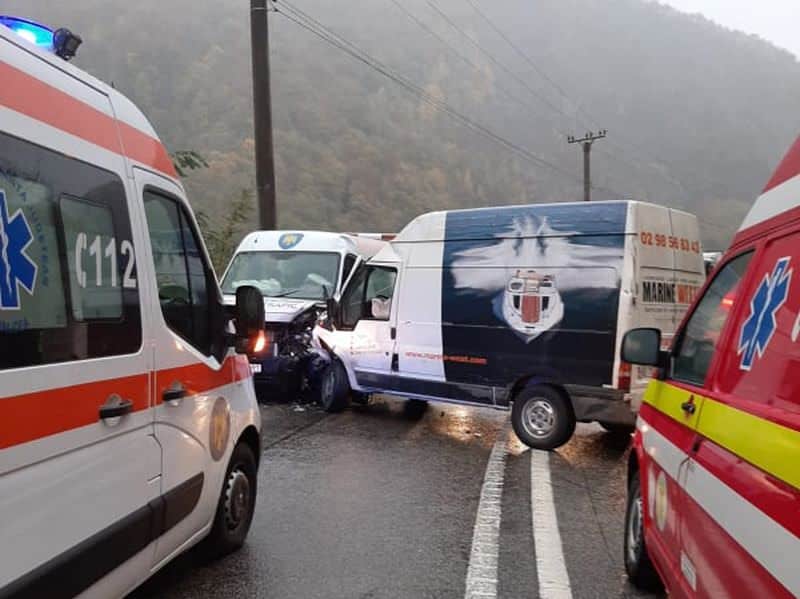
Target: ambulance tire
334, 389
236, 505
638, 565
542, 417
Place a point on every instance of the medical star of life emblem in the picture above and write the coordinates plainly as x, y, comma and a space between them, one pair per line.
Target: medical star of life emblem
16, 268
759, 328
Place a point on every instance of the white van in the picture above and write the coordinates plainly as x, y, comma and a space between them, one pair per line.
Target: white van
129, 430
519, 305
296, 271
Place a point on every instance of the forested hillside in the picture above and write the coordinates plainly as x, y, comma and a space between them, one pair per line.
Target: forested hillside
697, 115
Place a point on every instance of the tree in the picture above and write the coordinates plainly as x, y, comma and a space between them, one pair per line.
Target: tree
223, 236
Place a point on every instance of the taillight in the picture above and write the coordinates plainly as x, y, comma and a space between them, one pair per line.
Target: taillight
624, 377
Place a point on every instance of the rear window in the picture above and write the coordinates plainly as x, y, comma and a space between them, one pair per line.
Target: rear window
68, 281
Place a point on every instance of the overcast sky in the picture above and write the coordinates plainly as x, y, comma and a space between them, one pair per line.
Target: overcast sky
774, 20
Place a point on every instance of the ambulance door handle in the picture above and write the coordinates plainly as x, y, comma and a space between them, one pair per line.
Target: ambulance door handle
115, 407
174, 394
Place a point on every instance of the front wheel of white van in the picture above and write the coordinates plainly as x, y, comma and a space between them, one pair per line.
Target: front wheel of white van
236, 505
542, 417
334, 388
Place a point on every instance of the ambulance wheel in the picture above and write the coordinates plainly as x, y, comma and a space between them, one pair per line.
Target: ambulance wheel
236, 505
334, 388
640, 569
542, 417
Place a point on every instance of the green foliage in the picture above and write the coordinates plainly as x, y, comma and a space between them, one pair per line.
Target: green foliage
187, 160
224, 234
697, 115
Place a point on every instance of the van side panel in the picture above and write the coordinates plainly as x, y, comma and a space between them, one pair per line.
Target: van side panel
419, 334
532, 290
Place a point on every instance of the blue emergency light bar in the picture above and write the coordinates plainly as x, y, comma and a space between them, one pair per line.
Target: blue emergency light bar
33, 32
62, 42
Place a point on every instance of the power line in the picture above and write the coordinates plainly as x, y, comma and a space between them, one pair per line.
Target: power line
459, 55
312, 25
494, 60
307, 22
516, 48
671, 179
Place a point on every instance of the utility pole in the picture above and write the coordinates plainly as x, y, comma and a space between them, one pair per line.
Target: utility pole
262, 114
586, 141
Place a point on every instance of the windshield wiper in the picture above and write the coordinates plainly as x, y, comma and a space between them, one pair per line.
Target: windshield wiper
286, 293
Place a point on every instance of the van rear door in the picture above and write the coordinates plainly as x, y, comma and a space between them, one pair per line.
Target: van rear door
668, 273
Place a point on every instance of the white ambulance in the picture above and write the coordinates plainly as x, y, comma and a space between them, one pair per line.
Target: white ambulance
515, 305
129, 430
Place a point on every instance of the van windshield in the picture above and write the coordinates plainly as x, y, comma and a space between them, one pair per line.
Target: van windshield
302, 275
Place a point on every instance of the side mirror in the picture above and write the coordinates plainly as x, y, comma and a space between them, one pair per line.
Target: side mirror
250, 318
332, 308
642, 347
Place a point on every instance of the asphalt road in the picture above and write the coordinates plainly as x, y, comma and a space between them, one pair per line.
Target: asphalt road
379, 503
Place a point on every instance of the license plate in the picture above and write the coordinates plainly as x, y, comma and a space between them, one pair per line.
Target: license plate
255, 368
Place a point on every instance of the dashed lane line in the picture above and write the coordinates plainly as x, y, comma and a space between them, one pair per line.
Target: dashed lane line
551, 569
484, 556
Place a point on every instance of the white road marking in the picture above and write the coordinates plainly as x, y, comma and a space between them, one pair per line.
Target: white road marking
551, 569
482, 570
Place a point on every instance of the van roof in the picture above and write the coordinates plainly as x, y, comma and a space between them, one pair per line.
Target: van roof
60, 102
780, 196
428, 227
309, 241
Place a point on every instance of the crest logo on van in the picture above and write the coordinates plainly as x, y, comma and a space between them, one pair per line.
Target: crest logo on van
16, 268
288, 240
759, 328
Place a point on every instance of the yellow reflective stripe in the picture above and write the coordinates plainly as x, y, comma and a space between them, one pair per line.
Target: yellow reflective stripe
773, 448
667, 399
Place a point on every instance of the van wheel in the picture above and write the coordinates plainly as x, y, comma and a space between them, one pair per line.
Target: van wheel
638, 565
334, 388
236, 505
414, 409
542, 418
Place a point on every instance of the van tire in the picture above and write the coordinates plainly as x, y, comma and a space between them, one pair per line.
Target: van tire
542, 417
236, 505
334, 389
414, 409
638, 564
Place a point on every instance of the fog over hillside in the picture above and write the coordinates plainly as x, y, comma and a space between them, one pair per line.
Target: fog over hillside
697, 115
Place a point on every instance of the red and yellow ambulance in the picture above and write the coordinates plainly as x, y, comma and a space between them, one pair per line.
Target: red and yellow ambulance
129, 429
714, 474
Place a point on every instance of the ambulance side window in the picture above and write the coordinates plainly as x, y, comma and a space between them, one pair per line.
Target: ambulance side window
185, 289
699, 339
68, 276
